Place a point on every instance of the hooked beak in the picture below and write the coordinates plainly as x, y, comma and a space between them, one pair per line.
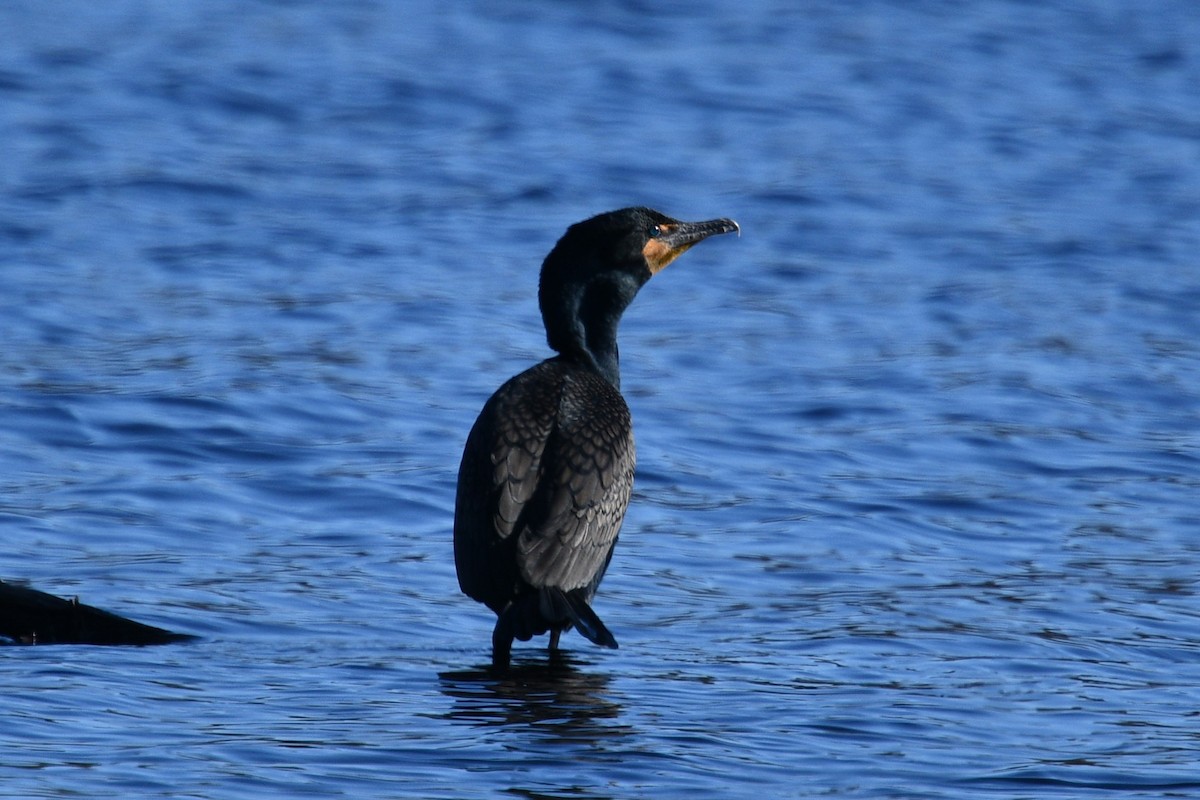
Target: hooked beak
677, 237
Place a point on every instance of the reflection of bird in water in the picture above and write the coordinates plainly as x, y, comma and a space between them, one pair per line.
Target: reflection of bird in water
548, 467
554, 698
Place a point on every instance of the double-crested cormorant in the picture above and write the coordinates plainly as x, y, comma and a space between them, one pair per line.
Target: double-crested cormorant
548, 467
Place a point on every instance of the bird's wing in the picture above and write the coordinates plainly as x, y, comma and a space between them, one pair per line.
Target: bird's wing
543, 486
586, 478
499, 474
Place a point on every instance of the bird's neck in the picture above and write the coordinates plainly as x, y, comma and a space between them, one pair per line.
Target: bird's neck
582, 317
593, 347
605, 359
590, 337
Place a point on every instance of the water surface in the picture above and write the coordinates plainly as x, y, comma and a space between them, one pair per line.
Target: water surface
915, 513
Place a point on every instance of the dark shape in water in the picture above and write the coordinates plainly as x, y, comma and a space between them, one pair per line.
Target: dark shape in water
548, 466
28, 616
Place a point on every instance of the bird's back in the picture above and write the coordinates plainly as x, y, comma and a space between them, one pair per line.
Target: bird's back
543, 486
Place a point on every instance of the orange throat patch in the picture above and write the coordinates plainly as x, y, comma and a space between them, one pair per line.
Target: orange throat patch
658, 254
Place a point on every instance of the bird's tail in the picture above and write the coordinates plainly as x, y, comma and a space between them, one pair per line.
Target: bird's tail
555, 604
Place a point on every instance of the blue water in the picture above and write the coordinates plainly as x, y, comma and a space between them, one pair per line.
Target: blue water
916, 510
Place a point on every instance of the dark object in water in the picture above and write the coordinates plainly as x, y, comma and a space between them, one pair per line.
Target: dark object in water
28, 616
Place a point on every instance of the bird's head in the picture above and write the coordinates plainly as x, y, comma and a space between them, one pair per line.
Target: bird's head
598, 266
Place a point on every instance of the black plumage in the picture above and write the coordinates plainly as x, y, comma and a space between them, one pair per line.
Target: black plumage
547, 469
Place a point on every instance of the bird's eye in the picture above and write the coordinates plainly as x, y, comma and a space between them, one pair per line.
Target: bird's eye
655, 231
